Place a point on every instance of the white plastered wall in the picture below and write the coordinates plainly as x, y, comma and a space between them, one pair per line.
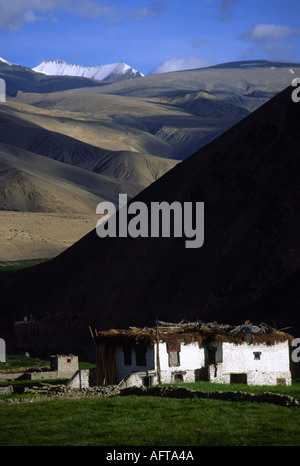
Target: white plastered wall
273, 363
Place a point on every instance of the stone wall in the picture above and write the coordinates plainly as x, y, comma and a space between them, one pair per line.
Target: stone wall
66, 365
182, 392
81, 379
6, 390
62, 367
43, 375
63, 392
11, 375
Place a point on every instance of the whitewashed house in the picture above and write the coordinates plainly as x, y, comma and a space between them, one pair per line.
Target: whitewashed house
167, 353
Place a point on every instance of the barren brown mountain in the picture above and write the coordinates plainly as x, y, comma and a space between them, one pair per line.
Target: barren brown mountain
128, 134
248, 267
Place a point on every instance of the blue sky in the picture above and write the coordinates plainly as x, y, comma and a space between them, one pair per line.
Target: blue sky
151, 36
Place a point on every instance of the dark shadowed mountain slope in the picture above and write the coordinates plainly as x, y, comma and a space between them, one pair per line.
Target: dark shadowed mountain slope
248, 267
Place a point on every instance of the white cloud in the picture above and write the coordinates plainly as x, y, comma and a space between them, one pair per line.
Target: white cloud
269, 42
14, 13
180, 64
266, 32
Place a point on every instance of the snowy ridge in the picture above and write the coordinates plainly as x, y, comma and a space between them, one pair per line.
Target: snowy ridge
5, 61
113, 72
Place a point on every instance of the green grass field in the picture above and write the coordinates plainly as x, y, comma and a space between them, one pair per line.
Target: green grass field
19, 362
148, 421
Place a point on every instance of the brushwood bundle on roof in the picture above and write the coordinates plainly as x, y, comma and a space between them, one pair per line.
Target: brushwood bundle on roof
190, 332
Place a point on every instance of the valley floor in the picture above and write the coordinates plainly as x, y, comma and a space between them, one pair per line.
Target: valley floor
32, 235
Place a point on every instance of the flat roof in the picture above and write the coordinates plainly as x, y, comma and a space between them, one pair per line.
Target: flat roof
189, 332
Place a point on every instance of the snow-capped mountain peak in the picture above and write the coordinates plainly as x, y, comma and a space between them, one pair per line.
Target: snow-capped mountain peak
5, 61
112, 72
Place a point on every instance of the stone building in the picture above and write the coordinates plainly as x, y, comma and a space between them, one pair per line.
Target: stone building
188, 352
64, 365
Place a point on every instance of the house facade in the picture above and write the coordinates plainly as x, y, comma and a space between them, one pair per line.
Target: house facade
167, 353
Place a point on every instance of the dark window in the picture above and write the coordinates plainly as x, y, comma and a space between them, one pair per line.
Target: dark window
140, 354
148, 380
238, 378
211, 354
178, 377
127, 356
257, 354
281, 381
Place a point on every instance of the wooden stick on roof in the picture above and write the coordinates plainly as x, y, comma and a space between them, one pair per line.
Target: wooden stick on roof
157, 353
